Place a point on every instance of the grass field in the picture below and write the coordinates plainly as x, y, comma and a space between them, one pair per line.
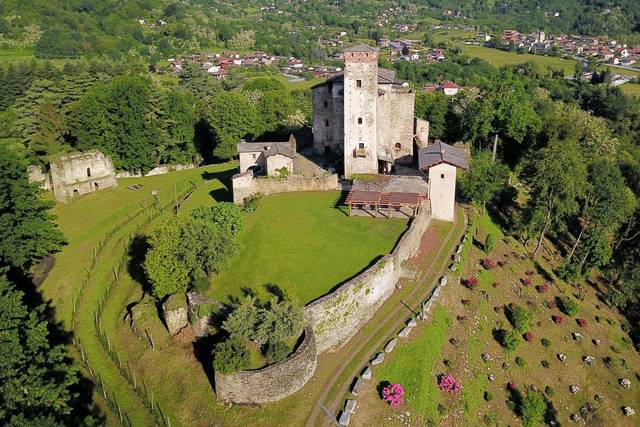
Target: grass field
632, 89
303, 243
479, 312
501, 58
15, 54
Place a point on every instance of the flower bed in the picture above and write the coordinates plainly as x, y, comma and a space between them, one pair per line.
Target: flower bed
449, 384
393, 394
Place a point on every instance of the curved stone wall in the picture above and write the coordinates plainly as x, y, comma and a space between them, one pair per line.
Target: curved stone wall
271, 383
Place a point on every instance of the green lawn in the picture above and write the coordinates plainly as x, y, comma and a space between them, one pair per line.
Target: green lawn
302, 243
632, 89
501, 58
10, 54
413, 366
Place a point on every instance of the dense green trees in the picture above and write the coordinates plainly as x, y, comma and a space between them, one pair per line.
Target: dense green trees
484, 179
185, 251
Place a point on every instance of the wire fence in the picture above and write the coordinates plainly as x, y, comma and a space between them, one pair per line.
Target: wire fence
145, 215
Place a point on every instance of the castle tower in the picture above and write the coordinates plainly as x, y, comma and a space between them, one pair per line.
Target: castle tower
360, 110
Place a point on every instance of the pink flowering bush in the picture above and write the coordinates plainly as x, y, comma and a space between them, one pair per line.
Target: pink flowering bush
582, 323
529, 273
542, 288
512, 387
393, 394
496, 285
526, 281
488, 263
552, 304
471, 282
449, 384
557, 319
528, 336
465, 301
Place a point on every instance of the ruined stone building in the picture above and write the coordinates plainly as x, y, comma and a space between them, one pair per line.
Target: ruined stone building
364, 115
81, 173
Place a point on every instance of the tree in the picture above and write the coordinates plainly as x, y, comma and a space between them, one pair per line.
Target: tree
533, 408
165, 265
434, 108
225, 215
242, 322
279, 321
231, 117
230, 356
557, 180
27, 231
607, 201
484, 179
36, 377
489, 243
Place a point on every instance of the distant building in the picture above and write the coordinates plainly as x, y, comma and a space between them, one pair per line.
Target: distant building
450, 88
267, 158
81, 173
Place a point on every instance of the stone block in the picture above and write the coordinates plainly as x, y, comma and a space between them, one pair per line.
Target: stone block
357, 386
350, 406
459, 250
457, 258
366, 374
378, 359
390, 345
453, 267
404, 332
345, 418
412, 323
176, 313
443, 280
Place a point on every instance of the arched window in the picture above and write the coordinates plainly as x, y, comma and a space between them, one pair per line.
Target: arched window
398, 146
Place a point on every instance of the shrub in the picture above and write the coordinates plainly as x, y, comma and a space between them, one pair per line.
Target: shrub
488, 263
549, 391
277, 351
512, 386
489, 243
544, 363
526, 281
533, 408
542, 288
568, 307
528, 336
520, 362
471, 282
557, 319
449, 384
582, 323
488, 397
510, 340
230, 356
252, 202
545, 342
520, 318
551, 304
393, 394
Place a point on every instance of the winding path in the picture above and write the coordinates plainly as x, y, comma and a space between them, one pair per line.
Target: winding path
392, 322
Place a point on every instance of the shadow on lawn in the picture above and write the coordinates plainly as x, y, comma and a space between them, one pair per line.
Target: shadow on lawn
223, 194
137, 252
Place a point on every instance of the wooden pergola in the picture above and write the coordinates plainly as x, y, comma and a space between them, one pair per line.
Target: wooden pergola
378, 199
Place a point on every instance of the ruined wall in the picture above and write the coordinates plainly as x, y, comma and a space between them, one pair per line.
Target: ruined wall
245, 184
360, 112
274, 382
395, 123
81, 173
421, 130
38, 176
338, 316
158, 170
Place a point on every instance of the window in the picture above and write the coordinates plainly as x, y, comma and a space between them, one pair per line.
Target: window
326, 104
361, 145
89, 172
326, 122
441, 176
398, 146
359, 120
359, 83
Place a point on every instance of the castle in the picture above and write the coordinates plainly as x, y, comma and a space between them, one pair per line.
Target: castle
365, 116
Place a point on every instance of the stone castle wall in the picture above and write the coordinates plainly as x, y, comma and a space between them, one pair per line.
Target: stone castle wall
274, 382
81, 173
245, 184
338, 316
395, 123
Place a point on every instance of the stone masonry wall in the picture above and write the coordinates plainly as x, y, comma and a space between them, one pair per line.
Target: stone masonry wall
337, 317
245, 184
274, 382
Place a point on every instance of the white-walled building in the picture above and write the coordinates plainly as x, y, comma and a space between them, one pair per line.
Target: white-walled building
268, 158
440, 162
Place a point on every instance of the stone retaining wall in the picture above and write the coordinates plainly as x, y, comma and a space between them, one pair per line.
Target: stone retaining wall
338, 316
245, 184
274, 382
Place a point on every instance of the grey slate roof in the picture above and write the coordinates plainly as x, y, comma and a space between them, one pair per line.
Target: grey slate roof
268, 148
439, 152
361, 48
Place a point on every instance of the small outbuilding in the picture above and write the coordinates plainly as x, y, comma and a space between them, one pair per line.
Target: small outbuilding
267, 158
440, 162
81, 173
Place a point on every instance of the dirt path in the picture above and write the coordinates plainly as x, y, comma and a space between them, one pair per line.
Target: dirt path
392, 323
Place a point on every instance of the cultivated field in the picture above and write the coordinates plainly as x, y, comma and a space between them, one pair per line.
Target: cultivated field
501, 58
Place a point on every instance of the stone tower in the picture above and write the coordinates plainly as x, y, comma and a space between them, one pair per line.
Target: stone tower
360, 110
